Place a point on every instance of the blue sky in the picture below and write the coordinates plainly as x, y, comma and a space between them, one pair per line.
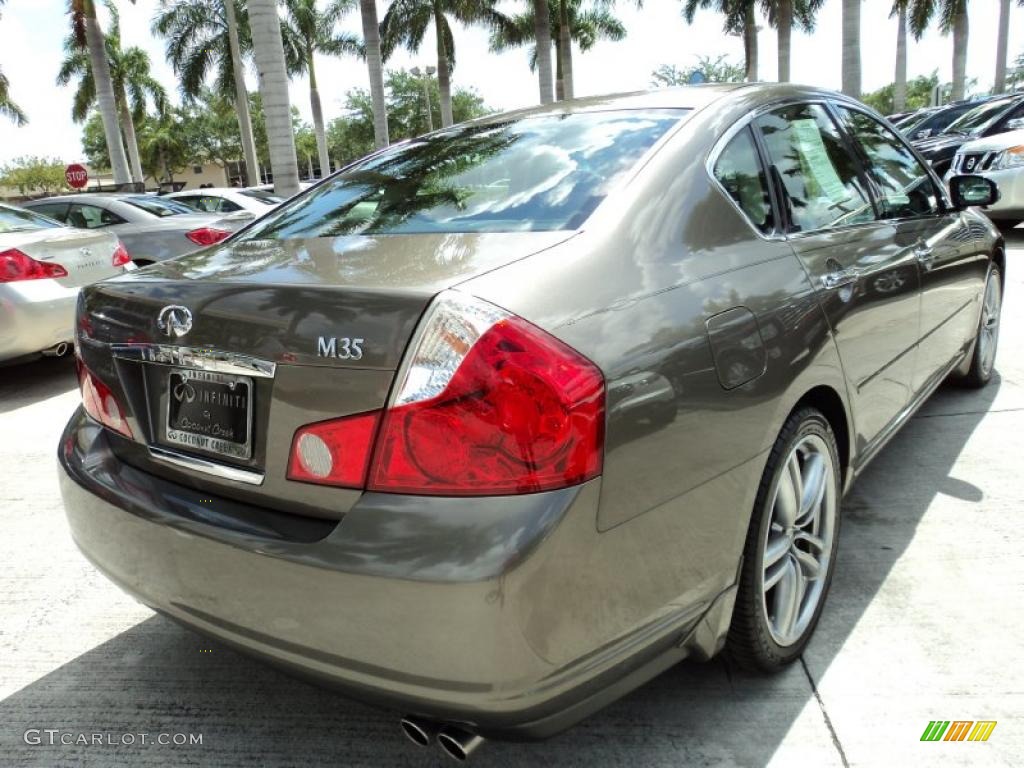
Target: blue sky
32, 31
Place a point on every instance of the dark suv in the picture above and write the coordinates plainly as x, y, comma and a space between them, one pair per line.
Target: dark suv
987, 119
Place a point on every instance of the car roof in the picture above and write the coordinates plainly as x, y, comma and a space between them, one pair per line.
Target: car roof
204, 191
88, 196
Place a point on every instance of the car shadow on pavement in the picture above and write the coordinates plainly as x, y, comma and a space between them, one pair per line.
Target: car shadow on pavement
26, 383
158, 677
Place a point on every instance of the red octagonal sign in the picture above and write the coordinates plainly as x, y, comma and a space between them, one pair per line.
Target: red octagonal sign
76, 176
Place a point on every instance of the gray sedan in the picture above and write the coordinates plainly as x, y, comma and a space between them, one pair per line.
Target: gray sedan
151, 228
495, 425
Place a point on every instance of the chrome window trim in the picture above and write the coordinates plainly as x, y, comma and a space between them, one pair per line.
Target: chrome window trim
205, 466
203, 358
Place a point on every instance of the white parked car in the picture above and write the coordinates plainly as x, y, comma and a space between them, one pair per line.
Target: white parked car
42, 266
228, 200
1001, 159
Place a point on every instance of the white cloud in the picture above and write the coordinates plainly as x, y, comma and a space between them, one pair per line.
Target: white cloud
32, 33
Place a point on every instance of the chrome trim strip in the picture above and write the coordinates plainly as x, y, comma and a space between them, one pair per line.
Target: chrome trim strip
207, 467
203, 358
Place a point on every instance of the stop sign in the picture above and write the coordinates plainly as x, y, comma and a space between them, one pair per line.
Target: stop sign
76, 176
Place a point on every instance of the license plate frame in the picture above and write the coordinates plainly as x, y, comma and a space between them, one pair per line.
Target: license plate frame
180, 383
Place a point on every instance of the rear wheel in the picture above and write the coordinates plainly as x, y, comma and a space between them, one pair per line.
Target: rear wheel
983, 361
791, 546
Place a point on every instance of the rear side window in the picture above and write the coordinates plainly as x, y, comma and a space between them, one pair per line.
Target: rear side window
820, 177
738, 169
905, 187
57, 211
19, 220
529, 174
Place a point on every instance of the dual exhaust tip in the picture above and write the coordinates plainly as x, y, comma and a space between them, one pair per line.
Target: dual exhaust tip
57, 350
457, 743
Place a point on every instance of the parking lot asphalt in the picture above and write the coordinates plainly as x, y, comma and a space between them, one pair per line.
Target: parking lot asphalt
924, 622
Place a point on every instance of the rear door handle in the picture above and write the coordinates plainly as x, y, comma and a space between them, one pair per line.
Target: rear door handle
925, 255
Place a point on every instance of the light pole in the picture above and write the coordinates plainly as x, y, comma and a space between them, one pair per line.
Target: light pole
416, 72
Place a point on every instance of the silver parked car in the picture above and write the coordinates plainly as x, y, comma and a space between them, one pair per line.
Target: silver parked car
42, 266
1001, 159
151, 228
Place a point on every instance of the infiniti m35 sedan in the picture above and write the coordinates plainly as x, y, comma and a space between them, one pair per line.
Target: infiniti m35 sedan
496, 424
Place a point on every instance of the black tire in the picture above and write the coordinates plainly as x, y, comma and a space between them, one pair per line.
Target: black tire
980, 372
1006, 225
750, 643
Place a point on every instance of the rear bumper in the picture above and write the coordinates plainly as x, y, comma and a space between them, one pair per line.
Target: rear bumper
35, 315
484, 615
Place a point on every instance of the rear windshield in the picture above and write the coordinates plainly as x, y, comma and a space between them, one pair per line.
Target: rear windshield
18, 220
534, 174
158, 206
974, 122
262, 195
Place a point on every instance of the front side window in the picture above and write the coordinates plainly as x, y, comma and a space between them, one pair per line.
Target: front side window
820, 179
529, 174
20, 220
905, 187
91, 217
738, 169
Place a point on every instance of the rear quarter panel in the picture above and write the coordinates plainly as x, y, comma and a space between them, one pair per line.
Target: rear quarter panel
633, 292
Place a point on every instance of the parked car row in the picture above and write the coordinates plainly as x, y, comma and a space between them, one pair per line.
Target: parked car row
984, 137
50, 248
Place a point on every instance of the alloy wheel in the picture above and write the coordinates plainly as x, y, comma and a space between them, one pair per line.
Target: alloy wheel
798, 541
988, 335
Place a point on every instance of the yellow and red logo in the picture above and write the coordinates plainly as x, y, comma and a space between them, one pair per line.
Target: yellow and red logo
958, 730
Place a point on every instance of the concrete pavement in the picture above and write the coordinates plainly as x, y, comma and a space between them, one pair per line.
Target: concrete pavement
924, 622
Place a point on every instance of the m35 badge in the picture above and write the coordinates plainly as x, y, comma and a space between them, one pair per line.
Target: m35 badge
339, 347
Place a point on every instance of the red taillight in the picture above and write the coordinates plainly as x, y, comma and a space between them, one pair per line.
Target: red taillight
207, 235
15, 265
487, 405
335, 452
100, 402
120, 257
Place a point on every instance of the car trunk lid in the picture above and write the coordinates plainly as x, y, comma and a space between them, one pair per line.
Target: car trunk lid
285, 333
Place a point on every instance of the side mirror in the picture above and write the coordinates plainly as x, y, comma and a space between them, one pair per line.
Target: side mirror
1016, 124
968, 191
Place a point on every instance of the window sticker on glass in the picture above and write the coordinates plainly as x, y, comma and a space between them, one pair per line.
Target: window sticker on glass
815, 162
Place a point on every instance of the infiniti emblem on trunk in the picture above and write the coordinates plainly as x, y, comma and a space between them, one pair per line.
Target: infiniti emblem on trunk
174, 320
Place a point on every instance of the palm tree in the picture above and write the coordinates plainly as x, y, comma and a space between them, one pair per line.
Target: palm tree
7, 106
374, 63
268, 49
406, 24
1002, 44
132, 80
308, 32
205, 35
899, 90
739, 19
952, 16
782, 14
586, 28
851, 47
542, 35
89, 36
